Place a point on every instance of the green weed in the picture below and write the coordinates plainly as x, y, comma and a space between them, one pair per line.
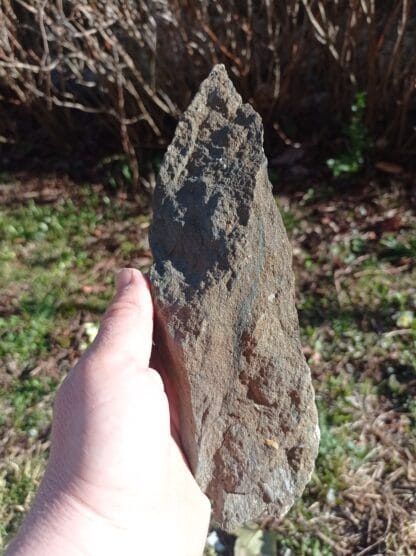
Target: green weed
23, 403
24, 336
308, 545
116, 171
394, 248
357, 141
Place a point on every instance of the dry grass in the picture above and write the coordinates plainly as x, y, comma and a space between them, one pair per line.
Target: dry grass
355, 266
130, 67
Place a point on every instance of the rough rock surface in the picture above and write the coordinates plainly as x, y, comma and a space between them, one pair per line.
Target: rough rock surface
226, 323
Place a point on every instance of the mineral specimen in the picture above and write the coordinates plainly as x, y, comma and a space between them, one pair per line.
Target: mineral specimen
226, 324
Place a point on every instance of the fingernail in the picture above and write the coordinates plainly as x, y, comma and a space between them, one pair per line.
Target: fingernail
123, 279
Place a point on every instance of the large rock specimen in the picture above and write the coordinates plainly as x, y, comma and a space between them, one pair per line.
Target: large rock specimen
226, 324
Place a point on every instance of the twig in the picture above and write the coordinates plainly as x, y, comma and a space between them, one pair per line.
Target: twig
401, 332
369, 548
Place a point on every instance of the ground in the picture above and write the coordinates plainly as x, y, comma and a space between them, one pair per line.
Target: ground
354, 259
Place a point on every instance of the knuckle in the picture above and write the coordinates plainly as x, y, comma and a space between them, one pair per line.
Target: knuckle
120, 308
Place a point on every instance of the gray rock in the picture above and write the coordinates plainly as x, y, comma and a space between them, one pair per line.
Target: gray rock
226, 325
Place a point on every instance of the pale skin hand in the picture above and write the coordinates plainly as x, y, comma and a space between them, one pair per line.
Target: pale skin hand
116, 481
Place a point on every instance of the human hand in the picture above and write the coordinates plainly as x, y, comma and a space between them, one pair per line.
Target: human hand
116, 481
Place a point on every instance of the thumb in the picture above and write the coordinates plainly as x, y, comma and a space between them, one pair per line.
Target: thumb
127, 326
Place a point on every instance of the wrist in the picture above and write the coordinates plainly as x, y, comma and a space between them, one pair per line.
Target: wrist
60, 524
45, 529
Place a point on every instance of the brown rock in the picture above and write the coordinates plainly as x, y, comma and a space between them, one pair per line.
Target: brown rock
226, 323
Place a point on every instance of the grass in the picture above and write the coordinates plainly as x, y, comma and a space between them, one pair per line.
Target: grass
356, 288
357, 298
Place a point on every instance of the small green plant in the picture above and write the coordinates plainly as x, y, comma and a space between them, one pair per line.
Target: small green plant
357, 140
309, 545
116, 171
25, 402
393, 248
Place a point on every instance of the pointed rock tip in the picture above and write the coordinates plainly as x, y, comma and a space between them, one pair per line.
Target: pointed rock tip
217, 93
218, 72
218, 77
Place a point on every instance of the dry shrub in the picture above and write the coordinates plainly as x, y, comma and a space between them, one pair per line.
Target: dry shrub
131, 66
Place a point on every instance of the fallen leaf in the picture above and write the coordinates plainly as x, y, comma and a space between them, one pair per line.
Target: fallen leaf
388, 167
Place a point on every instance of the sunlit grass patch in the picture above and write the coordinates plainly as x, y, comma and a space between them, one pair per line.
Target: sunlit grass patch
25, 418
19, 479
25, 405
48, 252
